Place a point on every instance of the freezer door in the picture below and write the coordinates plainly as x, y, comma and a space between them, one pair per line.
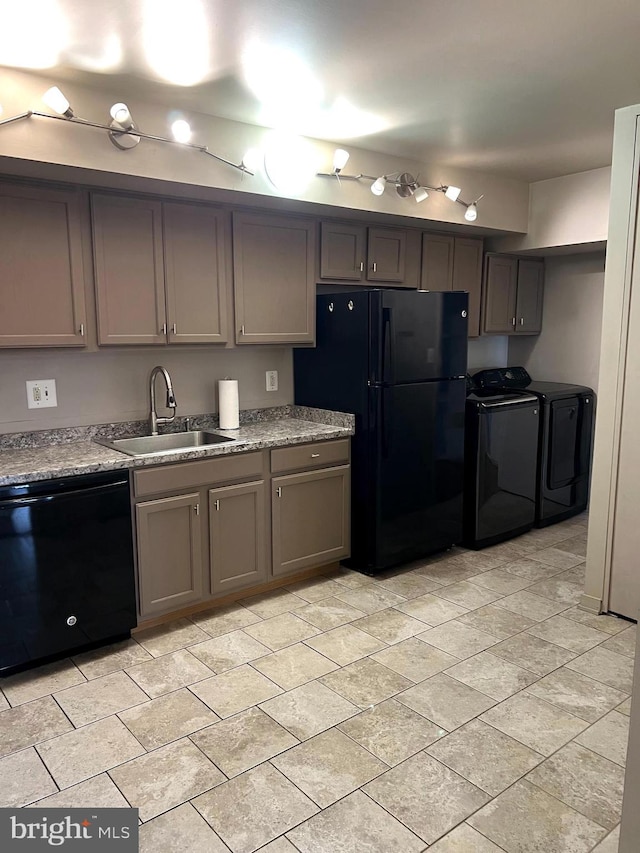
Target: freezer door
418, 335
419, 470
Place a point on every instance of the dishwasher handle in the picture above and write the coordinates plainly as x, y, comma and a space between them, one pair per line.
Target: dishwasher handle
54, 496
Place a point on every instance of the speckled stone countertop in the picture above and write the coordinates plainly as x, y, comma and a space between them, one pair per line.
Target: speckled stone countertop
27, 457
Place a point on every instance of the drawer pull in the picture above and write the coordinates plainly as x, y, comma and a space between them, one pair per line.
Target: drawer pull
315, 455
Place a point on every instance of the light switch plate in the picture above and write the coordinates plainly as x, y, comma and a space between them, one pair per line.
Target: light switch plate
41, 393
272, 380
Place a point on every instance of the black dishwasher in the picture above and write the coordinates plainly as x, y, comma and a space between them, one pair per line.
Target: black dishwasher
66, 566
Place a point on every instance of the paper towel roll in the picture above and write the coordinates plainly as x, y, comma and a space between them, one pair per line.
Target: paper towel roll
229, 407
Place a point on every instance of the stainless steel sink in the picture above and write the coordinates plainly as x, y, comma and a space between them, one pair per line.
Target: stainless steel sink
158, 445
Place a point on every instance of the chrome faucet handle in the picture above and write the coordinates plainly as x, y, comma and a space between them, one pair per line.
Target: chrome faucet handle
187, 424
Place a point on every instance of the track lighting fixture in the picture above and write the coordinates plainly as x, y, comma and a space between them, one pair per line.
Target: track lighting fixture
407, 187
340, 157
122, 130
377, 187
54, 99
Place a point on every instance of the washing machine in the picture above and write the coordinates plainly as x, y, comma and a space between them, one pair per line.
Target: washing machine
567, 420
501, 457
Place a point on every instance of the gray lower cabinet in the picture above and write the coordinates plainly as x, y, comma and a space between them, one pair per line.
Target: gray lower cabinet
237, 537
310, 519
513, 295
170, 563
41, 267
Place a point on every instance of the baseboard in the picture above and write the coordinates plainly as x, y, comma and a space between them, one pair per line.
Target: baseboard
590, 604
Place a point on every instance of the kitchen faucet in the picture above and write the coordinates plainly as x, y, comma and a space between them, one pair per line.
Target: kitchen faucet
154, 420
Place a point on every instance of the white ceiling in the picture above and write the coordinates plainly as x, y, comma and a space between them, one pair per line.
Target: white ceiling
525, 89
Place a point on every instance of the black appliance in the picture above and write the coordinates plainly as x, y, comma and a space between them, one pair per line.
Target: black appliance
397, 360
66, 566
501, 459
565, 442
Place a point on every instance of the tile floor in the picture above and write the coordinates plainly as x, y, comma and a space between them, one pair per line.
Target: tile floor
462, 703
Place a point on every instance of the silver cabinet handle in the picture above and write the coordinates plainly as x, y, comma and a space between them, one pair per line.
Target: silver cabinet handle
522, 321
163, 330
315, 455
279, 492
216, 504
242, 330
81, 330
513, 321
174, 329
361, 266
196, 509
374, 267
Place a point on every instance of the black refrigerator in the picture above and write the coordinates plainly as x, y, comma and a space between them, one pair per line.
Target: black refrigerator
397, 360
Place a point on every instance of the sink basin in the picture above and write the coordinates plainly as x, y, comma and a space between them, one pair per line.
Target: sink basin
157, 445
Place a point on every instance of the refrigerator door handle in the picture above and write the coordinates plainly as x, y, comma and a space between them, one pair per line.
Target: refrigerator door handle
387, 422
388, 346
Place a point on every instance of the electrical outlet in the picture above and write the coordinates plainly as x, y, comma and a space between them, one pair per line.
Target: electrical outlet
272, 380
41, 393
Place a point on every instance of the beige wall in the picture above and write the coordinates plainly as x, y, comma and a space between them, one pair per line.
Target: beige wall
570, 212
106, 386
568, 350
36, 141
488, 351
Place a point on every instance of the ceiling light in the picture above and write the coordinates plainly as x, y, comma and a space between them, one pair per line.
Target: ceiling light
452, 193
377, 187
181, 130
420, 194
471, 213
340, 158
54, 99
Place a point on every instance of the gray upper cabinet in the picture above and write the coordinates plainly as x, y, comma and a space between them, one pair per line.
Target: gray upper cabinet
437, 262
129, 270
529, 297
500, 293
467, 275
41, 270
196, 242
161, 271
513, 295
274, 278
342, 251
454, 263
386, 254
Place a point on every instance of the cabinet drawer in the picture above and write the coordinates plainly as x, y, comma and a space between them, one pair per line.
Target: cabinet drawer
201, 472
320, 453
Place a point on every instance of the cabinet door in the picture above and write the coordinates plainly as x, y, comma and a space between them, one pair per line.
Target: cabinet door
41, 270
529, 301
467, 275
500, 295
310, 516
437, 263
386, 254
342, 253
274, 281
169, 553
237, 537
195, 245
127, 246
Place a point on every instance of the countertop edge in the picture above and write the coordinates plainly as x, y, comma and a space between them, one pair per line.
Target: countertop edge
86, 457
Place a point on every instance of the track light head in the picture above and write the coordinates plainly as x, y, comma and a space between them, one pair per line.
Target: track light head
120, 114
378, 186
420, 194
181, 130
452, 193
471, 213
121, 127
54, 99
340, 158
